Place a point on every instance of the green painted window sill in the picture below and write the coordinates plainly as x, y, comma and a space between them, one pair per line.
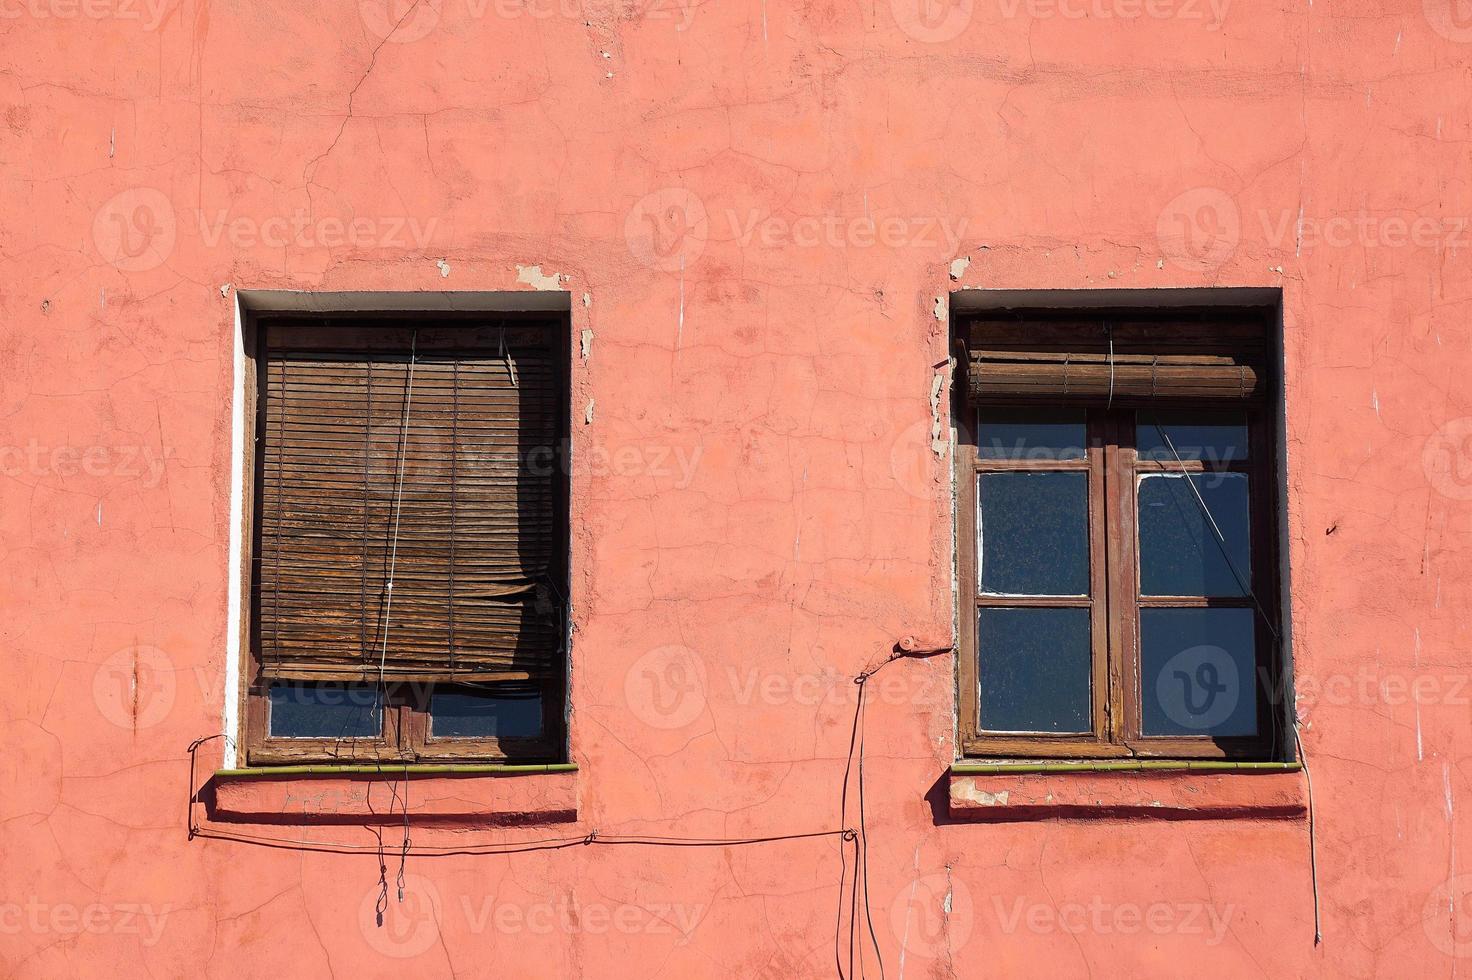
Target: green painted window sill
1119, 765
414, 769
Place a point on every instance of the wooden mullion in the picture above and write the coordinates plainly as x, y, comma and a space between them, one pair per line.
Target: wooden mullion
1122, 579
987, 599
1193, 602
1033, 465
1101, 690
967, 576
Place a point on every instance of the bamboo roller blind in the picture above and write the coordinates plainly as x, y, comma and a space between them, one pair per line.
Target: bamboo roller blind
1093, 360
476, 512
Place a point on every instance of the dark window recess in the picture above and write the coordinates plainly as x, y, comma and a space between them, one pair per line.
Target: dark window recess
506, 711
1120, 553
410, 538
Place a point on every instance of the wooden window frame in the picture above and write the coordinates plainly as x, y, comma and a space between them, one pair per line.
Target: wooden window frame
1114, 471
405, 736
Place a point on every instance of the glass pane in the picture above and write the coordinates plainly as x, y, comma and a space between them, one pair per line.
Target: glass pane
1179, 552
1034, 669
1197, 668
504, 711
325, 711
1213, 438
1012, 434
1033, 533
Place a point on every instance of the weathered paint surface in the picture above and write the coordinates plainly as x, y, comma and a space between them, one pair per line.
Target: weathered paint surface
759, 209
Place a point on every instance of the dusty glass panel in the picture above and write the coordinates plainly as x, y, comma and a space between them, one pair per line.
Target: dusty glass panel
325, 710
1213, 438
1180, 553
1198, 672
1033, 533
1029, 434
1034, 669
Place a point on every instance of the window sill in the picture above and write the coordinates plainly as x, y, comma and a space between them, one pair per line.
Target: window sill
455, 795
1149, 789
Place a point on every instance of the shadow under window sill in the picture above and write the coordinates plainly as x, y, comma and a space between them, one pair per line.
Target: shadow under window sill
997, 792
465, 795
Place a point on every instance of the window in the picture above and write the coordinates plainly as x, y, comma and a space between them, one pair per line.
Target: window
408, 556
1117, 491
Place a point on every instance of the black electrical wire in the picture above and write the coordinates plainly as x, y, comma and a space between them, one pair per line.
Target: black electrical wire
858, 885
1221, 543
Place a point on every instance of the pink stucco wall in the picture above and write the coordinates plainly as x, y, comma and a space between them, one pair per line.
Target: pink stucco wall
756, 208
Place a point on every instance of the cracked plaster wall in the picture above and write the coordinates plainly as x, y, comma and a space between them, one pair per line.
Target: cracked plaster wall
699, 176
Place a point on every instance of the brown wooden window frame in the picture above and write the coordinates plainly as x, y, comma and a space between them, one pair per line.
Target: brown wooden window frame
1114, 470
406, 732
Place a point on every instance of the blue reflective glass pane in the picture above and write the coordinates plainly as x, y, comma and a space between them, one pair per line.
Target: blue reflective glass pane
1198, 672
1023, 434
325, 711
505, 711
1180, 553
1034, 533
1034, 669
1214, 438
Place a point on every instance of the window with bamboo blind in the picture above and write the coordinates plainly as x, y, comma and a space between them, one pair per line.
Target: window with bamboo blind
1117, 546
408, 566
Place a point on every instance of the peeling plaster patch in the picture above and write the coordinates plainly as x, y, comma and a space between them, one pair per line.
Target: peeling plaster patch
958, 267
444, 268
225, 289
937, 444
588, 413
967, 790
1160, 263
940, 309
587, 343
532, 276
587, 301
